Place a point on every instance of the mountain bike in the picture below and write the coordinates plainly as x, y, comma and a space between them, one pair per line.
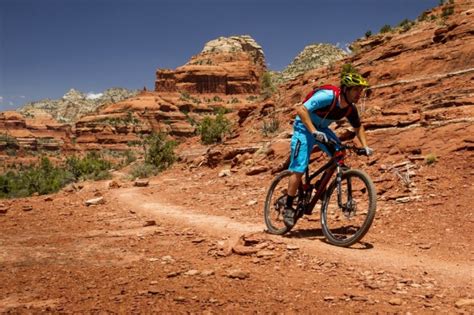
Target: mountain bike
348, 199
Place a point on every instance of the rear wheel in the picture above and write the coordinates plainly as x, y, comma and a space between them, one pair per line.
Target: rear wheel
347, 225
275, 204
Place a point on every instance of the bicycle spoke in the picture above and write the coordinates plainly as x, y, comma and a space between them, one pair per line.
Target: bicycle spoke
347, 221
275, 203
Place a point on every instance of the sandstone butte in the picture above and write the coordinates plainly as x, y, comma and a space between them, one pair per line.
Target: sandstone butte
421, 98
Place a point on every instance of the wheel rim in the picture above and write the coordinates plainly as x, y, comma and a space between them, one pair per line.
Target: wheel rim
276, 201
343, 226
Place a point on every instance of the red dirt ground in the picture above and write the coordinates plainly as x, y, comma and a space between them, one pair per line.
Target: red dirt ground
62, 256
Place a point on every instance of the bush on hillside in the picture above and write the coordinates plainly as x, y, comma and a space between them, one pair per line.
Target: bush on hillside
423, 17
212, 130
267, 86
431, 159
159, 151
270, 126
42, 178
405, 25
143, 170
92, 166
447, 11
385, 29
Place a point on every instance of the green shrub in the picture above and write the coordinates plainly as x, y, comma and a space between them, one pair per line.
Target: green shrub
423, 17
134, 143
217, 99
195, 100
92, 166
121, 121
234, 100
129, 157
447, 11
143, 170
159, 151
223, 110
184, 95
368, 33
385, 29
11, 151
267, 86
252, 98
10, 141
42, 178
431, 159
405, 25
212, 130
270, 126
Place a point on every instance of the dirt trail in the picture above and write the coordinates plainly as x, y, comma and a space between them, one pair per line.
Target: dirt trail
450, 273
61, 256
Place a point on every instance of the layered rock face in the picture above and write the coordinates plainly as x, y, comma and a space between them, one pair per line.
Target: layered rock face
128, 121
41, 133
227, 65
422, 95
74, 104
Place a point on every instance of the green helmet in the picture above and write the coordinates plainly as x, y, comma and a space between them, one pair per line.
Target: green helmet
353, 79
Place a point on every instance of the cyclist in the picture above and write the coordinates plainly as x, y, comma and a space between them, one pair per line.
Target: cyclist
311, 127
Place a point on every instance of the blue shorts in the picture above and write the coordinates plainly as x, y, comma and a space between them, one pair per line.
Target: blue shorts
302, 144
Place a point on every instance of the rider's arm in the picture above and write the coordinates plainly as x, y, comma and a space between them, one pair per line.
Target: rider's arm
354, 120
360, 132
303, 112
319, 100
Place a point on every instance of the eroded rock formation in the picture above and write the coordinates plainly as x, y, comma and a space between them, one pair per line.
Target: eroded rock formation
227, 65
74, 104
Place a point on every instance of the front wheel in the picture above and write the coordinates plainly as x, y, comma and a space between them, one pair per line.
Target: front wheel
346, 221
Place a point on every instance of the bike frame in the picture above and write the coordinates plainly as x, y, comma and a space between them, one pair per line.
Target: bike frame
336, 163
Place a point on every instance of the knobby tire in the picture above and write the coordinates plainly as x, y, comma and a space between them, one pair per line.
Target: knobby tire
372, 199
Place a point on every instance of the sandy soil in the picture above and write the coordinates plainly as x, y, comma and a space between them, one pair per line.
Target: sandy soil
194, 242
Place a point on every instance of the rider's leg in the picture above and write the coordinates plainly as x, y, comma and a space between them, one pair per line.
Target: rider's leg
301, 146
295, 180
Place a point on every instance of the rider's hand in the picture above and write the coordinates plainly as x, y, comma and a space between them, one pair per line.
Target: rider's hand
368, 151
320, 136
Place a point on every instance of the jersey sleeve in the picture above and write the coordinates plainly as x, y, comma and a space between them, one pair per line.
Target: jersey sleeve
354, 118
320, 99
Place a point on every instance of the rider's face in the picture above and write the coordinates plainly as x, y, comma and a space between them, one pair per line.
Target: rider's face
355, 93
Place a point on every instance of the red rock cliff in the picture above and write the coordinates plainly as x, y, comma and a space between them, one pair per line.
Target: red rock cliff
226, 65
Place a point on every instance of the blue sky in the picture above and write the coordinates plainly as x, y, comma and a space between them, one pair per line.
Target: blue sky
50, 46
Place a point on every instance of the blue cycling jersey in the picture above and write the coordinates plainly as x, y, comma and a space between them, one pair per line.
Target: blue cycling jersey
320, 99
321, 113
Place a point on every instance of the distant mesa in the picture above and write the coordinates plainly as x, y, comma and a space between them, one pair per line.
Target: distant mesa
312, 57
226, 65
75, 104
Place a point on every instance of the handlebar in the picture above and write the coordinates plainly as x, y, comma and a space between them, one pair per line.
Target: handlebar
341, 147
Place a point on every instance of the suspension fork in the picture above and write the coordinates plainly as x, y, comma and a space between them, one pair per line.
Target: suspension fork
348, 205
